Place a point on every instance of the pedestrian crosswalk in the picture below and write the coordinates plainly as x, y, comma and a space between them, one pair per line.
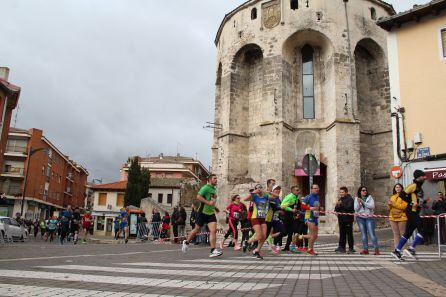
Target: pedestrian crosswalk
232, 273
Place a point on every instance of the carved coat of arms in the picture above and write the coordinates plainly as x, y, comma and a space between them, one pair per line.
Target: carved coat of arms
271, 14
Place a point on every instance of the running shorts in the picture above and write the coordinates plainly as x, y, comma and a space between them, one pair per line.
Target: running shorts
258, 221
204, 219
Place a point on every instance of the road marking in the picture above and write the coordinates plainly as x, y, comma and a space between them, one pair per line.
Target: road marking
237, 273
254, 265
94, 255
8, 290
136, 281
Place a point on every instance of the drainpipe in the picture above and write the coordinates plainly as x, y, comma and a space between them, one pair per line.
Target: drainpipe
351, 59
3, 117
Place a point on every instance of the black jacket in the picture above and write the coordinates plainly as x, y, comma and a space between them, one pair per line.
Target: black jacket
439, 207
347, 206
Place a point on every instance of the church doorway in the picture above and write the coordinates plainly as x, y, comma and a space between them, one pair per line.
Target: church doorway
321, 179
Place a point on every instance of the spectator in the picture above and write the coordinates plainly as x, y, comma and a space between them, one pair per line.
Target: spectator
156, 221
345, 204
174, 219
36, 228
364, 207
427, 224
181, 222
397, 205
193, 218
439, 207
165, 229
42, 225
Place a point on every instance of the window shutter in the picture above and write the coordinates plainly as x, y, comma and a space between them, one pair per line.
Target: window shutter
102, 199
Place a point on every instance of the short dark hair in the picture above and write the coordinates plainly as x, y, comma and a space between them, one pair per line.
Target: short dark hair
294, 188
211, 175
234, 197
344, 189
314, 185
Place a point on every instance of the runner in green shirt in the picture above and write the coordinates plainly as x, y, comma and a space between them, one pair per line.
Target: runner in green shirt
206, 216
287, 205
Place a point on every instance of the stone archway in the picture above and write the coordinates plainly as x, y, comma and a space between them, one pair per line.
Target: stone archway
373, 105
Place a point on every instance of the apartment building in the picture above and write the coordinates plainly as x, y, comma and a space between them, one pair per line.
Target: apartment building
53, 181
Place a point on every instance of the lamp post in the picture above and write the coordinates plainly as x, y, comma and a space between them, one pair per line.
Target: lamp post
30, 153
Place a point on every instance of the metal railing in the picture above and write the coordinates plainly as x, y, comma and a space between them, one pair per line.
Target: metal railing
16, 149
441, 232
14, 170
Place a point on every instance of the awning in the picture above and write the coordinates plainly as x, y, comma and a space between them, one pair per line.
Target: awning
436, 173
301, 172
105, 213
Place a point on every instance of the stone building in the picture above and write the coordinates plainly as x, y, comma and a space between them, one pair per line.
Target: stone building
299, 77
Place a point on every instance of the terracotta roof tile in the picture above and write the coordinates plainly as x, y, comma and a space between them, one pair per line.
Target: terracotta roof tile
120, 185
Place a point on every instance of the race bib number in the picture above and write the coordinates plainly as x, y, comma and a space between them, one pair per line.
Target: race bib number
276, 216
236, 215
261, 212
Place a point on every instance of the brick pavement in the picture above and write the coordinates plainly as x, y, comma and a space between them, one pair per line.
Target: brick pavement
42, 269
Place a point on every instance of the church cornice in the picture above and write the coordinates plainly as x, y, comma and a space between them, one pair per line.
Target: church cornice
249, 3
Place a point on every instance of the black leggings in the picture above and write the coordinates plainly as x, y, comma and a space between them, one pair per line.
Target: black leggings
232, 229
413, 222
303, 230
246, 227
290, 227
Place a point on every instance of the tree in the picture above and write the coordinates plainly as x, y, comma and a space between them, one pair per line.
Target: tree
138, 183
145, 182
133, 190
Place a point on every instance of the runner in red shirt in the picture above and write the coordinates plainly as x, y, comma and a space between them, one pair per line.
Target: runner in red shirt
235, 210
87, 219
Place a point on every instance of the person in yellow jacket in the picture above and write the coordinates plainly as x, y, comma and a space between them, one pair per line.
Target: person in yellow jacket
415, 198
397, 212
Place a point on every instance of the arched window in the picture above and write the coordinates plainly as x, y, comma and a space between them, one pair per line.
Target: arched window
294, 4
373, 13
308, 82
254, 13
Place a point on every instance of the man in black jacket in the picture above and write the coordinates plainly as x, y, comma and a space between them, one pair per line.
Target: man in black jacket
345, 204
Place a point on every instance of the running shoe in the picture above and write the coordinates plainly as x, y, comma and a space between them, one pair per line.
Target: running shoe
293, 248
256, 255
410, 253
340, 250
364, 252
397, 255
126, 241
311, 252
351, 251
245, 246
237, 247
275, 249
185, 246
215, 253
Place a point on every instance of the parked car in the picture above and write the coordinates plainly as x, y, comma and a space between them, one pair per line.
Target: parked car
17, 232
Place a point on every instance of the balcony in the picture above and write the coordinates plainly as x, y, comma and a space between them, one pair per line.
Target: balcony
11, 188
70, 177
13, 172
16, 151
68, 192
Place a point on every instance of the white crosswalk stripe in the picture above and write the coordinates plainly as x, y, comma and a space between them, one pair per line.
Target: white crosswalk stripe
9, 290
139, 281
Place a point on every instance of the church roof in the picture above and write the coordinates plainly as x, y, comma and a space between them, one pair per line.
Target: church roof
248, 3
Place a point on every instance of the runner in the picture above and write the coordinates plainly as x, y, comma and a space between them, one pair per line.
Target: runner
86, 222
415, 197
290, 211
234, 211
65, 223
75, 223
206, 216
310, 205
275, 227
261, 210
124, 226
51, 226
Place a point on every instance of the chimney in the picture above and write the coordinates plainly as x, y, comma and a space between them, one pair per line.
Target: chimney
4, 73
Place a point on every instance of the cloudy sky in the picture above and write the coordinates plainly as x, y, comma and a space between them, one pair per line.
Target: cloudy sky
107, 79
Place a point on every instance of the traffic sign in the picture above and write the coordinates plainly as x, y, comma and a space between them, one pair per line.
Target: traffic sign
396, 172
310, 164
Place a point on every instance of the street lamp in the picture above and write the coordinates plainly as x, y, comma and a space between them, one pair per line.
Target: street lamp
30, 153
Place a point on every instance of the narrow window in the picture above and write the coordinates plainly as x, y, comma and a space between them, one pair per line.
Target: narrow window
443, 42
160, 198
253, 13
102, 199
169, 198
373, 13
308, 82
294, 4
